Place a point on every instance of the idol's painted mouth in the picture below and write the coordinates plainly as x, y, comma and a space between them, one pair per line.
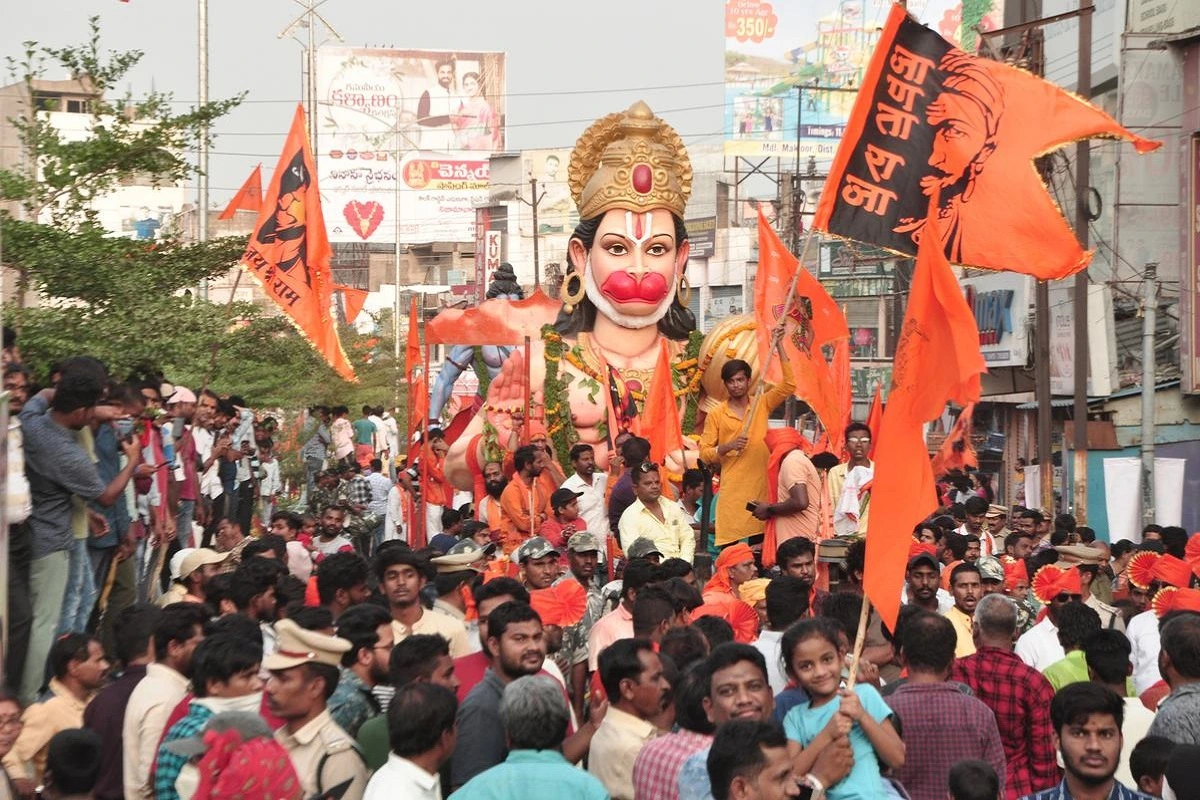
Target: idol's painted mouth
622, 287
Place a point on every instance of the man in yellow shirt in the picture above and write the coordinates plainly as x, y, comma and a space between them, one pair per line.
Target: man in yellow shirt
652, 517
80, 669
967, 588
740, 448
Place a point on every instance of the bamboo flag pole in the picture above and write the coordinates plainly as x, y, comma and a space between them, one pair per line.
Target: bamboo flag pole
859, 639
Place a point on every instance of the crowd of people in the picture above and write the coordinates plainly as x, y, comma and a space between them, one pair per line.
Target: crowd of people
178, 628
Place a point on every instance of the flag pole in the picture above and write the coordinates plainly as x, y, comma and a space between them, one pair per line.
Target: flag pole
859, 640
771, 352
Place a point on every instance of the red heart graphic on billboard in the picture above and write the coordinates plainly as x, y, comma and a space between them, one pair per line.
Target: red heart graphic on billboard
364, 218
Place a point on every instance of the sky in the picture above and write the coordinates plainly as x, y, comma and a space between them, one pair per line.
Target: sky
569, 62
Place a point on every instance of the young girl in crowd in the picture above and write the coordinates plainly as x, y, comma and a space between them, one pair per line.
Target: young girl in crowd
814, 656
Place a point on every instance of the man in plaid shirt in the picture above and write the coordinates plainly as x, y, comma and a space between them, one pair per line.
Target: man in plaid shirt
656, 770
1016, 693
224, 678
947, 725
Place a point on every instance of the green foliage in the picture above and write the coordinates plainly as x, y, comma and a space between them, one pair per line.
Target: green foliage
129, 139
131, 303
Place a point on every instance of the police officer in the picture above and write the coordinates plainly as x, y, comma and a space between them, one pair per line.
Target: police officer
304, 673
1088, 561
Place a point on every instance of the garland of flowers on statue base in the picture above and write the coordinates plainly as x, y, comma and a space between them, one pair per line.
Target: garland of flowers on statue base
559, 425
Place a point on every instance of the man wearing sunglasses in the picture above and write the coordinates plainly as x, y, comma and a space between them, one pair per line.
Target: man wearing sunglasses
1039, 647
858, 445
656, 519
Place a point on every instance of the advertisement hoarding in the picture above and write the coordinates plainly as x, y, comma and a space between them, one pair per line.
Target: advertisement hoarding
702, 236
556, 210
403, 138
1001, 305
798, 63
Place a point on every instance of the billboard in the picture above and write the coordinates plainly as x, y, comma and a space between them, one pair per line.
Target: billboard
795, 65
556, 209
403, 139
1000, 302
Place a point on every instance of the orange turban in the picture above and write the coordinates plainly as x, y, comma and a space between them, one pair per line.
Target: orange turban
1015, 572
563, 604
731, 556
1051, 581
1171, 599
1173, 571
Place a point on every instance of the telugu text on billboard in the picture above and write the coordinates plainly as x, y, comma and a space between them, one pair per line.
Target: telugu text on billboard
798, 63
403, 138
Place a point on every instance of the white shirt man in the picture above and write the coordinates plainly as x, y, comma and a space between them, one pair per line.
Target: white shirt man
593, 509
1039, 646
1143, 637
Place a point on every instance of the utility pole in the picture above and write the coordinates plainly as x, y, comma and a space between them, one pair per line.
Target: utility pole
1149, 310
535, 199
202, 153
1083, 164
308, 20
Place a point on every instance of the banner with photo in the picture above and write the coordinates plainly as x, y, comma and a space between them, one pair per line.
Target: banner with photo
822, 47
403, 139
556, 209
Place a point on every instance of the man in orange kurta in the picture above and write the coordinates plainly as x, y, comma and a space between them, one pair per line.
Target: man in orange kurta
741, 450
524, 503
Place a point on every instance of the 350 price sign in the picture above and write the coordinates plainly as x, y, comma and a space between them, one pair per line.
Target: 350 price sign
749, 20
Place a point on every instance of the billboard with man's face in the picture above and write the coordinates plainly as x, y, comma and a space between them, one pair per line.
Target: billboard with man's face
403, 138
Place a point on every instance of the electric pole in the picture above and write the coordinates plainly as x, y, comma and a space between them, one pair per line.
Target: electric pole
1083, 164
533, 202
202, 150
1149, 312
308, 20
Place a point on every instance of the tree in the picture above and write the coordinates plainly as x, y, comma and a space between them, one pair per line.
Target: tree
131, 303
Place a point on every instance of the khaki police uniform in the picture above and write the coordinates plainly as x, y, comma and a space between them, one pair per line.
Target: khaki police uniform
323, 754
1074, 555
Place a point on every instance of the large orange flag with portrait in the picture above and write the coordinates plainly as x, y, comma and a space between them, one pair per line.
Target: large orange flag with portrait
937, 360
965, 129
813, 320
288, 252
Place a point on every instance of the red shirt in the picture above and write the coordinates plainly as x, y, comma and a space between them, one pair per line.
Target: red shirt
1020, 698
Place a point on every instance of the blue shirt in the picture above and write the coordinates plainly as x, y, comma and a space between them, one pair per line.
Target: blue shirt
168, 765
1061, 792
694, 783
788, 699
533, 775
108, 465
803, 723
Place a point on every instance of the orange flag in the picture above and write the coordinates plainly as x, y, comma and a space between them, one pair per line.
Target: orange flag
931, 120
659, 420
937, 359
288, 252
957, 452
414, 366
839, 370
875, 417
813, 320
354, 300
248, 198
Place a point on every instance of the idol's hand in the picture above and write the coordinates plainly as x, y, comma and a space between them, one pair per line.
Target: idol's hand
505, 406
